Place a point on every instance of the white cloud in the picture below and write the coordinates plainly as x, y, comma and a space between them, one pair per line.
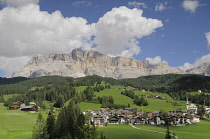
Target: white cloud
18, 3
208, 37
155, 60
203, 59
12, 64
78, 3
118, 31
190, 5
137, 4
26, 31
161, 6
186, 66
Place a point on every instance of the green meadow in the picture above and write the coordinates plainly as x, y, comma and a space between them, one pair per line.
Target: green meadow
89, 106
154, 104
199, 131
16, 124
120, 131
80, 88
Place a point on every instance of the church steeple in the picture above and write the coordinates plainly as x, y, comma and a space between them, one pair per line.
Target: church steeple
187, 103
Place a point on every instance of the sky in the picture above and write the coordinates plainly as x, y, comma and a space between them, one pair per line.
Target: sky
173, 31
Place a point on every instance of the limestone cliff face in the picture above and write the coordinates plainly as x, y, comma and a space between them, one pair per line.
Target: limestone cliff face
80, 63
203, 69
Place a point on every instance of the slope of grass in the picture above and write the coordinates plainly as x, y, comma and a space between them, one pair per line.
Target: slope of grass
154, 104
89, 106
121, 131
16, 124
116, 94
158, 104
201, 130
80, 88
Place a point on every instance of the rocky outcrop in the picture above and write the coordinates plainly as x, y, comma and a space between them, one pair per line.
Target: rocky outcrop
80, 63
203, 69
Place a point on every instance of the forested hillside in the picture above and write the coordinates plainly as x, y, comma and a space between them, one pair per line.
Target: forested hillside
4, 81
175, 85
158, 83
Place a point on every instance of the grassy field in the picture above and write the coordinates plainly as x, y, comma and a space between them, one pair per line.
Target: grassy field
199, 131
80, 88
154, 104
89, 106
16, 124
120, 131
116, 94
158, 104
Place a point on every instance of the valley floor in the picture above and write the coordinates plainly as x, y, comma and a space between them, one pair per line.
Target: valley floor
199, 131
19, 125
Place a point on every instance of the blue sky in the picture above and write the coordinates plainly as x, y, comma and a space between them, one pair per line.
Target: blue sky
172, 31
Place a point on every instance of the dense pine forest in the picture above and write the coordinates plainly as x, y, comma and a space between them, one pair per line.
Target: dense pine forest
60, 89
161, 83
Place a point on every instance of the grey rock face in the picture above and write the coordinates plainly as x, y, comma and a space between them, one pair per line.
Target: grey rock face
203, 69
80, 63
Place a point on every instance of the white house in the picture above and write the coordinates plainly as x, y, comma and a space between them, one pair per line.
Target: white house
195, 119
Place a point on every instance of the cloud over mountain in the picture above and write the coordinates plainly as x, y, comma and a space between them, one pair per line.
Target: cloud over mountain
203, 59
10, 65
118, 31
155, 60
26, 31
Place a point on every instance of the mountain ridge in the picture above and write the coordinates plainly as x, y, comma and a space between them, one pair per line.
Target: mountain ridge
79, 63
202, 69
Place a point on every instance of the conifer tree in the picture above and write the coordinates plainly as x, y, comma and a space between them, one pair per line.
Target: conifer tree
50, 125
39, 131
168, 136
59, 102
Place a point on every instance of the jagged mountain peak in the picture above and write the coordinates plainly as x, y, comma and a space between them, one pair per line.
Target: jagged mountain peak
79, 63
203, 69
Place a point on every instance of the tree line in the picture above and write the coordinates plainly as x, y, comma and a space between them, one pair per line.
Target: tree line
173, 84
138, 100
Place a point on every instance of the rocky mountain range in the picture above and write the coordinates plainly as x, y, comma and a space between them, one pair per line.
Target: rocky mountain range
80, 63
203, 69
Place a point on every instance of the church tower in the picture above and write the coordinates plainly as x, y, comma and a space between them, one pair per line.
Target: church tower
187, 103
